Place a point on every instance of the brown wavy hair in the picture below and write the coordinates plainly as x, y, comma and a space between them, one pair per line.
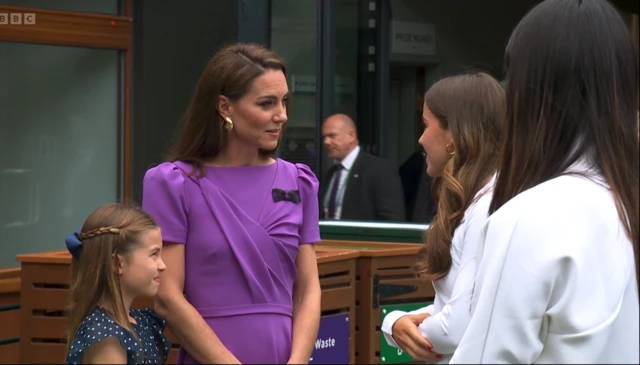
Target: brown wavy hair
230, 72
471, 107
112, 229
572, 94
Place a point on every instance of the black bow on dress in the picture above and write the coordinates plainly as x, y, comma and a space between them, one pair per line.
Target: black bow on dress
287, 195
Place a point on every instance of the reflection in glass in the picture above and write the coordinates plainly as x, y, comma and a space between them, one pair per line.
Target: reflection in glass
83, 6
427, 40
59, 142
294, 37
346, 58
372, 231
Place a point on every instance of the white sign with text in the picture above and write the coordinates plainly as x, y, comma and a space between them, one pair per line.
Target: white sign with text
413, 38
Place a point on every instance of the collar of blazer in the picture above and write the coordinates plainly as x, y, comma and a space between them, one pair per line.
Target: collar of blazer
356, 168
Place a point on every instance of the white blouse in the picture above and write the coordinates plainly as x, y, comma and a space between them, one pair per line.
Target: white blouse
556, 281
450, 312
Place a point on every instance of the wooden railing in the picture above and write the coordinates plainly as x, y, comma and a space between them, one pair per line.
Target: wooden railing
44, 299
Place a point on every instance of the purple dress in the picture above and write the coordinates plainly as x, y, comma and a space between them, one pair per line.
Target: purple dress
242, 227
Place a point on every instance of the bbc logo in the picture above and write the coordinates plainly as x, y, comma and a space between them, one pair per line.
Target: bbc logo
17, 18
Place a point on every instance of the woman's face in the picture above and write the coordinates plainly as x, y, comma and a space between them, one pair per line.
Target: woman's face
434, 141
258, 117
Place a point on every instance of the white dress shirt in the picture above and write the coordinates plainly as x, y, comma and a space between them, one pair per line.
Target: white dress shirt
451, 310
556, 281
347, 164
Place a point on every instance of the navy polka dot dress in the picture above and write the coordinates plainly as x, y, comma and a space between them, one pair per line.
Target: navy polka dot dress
98, 325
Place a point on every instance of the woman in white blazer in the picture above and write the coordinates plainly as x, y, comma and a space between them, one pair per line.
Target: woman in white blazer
557, 279
463, 117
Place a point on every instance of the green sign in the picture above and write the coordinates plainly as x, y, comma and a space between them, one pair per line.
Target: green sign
392, 355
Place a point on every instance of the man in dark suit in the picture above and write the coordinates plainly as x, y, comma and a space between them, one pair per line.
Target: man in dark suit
359, 186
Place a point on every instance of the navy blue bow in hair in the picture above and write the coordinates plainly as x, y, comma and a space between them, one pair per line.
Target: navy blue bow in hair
287, 195
74, 245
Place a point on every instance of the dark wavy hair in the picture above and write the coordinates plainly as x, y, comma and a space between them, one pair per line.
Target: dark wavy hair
471, 107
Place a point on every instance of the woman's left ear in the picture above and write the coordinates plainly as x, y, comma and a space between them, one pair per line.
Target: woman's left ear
224, 106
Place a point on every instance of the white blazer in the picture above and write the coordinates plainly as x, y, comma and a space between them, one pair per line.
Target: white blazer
451, 310
556, 282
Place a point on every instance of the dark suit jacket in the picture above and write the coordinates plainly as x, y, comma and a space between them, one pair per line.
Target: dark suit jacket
420, 206
424, 205
373, 191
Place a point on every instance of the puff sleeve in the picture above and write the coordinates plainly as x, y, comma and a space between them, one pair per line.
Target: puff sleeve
308, 186
164, 198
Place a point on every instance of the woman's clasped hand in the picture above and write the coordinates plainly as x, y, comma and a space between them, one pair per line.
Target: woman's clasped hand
407, 336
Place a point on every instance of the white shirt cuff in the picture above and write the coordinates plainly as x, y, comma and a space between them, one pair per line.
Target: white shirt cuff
387, 326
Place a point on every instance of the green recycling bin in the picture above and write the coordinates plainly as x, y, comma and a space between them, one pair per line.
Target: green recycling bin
389, 354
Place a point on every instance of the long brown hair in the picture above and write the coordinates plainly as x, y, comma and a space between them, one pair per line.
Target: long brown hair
471, 107
111, 230
572, 94
230, 72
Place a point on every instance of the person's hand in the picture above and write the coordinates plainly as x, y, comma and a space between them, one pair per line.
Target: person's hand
406, 334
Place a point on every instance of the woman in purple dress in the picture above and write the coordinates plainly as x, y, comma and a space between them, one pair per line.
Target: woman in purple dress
239, 226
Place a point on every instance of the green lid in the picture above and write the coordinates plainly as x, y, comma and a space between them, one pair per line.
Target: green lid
372, 231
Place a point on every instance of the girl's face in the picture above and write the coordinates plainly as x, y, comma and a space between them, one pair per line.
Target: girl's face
140, 270
434, 141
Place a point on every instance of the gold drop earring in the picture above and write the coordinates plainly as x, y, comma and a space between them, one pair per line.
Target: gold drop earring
228, 124
452, 151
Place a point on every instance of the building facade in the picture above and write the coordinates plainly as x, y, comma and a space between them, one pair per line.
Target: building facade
91, 91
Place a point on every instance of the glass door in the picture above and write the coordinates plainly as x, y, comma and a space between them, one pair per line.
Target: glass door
294, 36
65, 126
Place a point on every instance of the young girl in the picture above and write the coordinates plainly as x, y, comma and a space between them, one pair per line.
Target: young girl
462, 117
116, 257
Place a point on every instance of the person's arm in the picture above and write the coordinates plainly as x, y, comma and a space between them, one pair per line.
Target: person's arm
410, 340
391, 319
445, 329
306, 290
105, 351
306, 305
193, 332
